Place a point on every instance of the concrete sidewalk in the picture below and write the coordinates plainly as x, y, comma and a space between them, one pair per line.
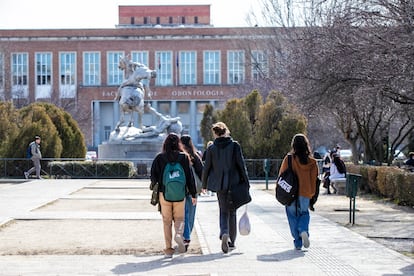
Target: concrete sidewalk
268, 250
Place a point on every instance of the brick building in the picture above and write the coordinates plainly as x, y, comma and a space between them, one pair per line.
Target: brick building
77, 69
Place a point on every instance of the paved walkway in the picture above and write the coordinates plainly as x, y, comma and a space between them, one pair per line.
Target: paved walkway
268, 250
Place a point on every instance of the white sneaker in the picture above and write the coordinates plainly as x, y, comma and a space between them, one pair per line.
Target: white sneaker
305, 239
179, 240
26, 175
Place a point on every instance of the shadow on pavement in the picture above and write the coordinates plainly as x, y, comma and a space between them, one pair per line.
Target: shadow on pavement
281, 256
408, 270
128, 268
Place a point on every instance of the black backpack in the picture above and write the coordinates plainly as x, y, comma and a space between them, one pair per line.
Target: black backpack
287, 185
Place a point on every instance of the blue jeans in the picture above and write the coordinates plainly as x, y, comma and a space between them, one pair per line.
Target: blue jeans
228, 219
189, 216
298, 219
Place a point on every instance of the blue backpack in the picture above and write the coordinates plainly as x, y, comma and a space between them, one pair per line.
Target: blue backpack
29, 151
174, 181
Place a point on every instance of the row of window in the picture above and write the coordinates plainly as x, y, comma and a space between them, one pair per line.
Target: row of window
43, 68
147, 20
183, 64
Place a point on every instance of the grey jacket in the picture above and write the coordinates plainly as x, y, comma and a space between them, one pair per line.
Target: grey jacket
224, 165
35, 149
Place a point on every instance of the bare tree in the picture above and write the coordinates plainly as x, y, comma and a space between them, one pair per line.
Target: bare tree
356, 57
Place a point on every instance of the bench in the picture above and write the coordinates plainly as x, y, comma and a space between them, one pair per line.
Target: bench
340, 185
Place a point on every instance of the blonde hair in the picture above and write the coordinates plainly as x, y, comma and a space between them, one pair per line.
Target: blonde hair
220, 129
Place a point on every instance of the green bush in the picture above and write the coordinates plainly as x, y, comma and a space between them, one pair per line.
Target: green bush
364, 182
9, 127
87, 169
264, 130
404, 193
386, 180
389, 182
372, 179
61, 135
73, 141
115, 169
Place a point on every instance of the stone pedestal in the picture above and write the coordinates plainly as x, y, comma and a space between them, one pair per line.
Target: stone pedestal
126, 151
123, 145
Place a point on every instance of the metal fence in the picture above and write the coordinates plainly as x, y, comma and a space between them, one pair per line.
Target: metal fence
113, 168
79, 168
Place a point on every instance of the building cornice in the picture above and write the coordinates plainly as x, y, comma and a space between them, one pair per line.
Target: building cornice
146, 34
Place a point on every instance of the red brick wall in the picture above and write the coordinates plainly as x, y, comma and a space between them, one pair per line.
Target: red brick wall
127, 40
164, 12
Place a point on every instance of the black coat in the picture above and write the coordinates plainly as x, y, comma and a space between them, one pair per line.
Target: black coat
224, 165
157, 169
197, 164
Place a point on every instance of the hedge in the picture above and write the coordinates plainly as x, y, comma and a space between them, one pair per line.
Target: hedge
390, 182
88, 169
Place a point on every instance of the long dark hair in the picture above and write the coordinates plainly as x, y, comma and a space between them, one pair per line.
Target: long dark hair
172, 146
301, 148
338, 163
188, 145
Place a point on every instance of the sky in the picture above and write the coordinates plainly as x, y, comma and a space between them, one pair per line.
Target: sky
74, 14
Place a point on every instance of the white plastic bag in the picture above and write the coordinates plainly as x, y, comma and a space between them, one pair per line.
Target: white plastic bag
244, 224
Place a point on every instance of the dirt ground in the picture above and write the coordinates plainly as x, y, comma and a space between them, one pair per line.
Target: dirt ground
85, 237
91, 236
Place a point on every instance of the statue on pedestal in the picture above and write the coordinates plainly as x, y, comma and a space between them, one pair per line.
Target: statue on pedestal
131, 94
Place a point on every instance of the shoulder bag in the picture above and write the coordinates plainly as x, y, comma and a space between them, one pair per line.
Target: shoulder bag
287, 185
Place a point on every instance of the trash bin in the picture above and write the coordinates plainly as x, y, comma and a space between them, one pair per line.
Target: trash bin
352, 182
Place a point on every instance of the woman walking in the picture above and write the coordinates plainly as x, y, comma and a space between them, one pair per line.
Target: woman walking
190, 208
173, 211
224, 167
306, 168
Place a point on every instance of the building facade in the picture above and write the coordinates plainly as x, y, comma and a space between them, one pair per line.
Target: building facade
77, 69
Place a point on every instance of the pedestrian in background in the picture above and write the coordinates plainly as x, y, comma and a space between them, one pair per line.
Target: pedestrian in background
326, 170
203, 158
190, 208
36, 156
338, 167
172, 151
410, 160
224, 167
209, 143
337, 170
306, 169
